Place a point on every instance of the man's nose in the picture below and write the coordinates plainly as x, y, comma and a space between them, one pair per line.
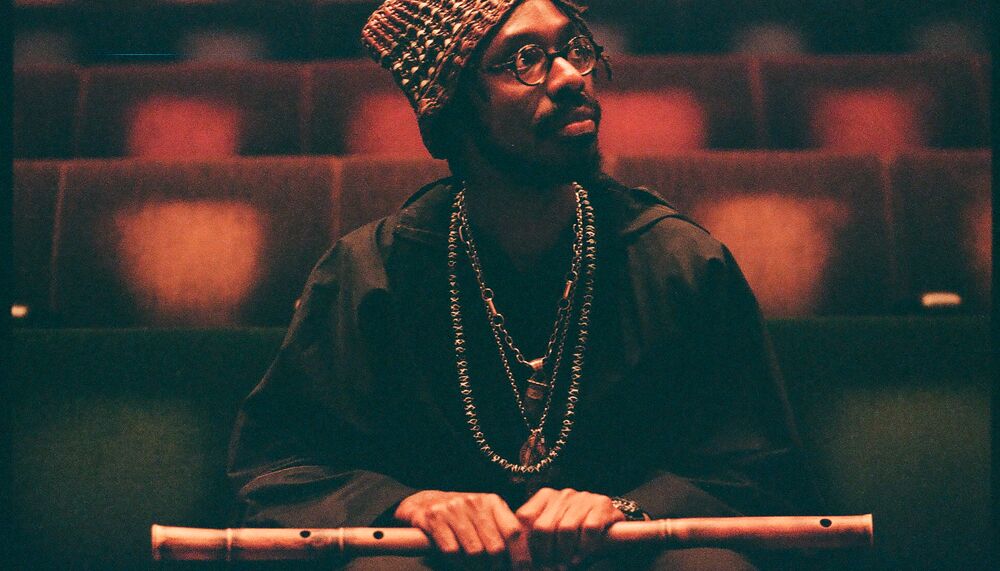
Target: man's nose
563, 76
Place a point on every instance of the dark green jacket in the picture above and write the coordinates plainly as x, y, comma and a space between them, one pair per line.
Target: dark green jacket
681, 405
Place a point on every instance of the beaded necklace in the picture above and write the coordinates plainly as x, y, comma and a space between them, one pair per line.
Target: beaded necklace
535, 456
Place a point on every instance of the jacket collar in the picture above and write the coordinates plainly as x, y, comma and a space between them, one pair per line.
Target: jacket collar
425, 216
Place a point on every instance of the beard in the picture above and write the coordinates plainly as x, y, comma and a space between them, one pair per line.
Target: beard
581, 161
558, 160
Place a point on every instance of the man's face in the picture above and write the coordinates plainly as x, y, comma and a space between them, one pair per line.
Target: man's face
541, 133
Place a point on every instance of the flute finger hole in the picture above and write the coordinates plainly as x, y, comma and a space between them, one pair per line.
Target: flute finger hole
825, 522
305, 533
378, 535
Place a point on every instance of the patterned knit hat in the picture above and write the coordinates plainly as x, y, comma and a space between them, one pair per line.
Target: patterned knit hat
427, 43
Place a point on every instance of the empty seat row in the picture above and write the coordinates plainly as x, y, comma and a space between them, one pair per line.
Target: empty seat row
231, 241
100, 32
653, 104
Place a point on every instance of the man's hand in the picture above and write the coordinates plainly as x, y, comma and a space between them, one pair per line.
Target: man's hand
473, 530
566, 526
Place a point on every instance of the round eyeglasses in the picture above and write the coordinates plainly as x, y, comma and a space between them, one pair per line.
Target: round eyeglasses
531, 64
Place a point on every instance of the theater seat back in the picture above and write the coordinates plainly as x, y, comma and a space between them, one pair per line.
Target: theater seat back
190, 243
808, 230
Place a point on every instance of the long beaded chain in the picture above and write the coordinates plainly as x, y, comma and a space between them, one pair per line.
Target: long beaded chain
585, 255
557, 340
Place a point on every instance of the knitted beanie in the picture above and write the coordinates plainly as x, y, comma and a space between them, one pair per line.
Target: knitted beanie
426, 44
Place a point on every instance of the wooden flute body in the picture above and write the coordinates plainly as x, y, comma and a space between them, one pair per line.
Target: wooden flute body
246, 544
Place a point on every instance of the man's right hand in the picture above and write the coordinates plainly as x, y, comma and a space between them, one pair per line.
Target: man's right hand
473, 530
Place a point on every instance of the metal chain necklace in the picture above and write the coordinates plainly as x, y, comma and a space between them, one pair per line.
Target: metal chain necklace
534, 455
537, 388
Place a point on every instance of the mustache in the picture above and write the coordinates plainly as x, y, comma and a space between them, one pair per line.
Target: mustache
582, 103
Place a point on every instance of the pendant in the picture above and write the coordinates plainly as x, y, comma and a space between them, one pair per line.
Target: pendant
535, 392
533, 449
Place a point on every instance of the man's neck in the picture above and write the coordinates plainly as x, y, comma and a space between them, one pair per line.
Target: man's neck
525, 221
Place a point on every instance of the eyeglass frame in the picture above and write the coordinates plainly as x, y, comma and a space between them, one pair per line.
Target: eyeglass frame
511, 63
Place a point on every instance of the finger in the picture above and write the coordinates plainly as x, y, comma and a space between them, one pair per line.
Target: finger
568, 528
490, 536
529, 512
465, 530
593, 530
436, 525
515, 536
543, 533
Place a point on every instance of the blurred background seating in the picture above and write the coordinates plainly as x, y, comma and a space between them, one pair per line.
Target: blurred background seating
45, 111
661, 105
356, 109
395, 178
226, 242
873, 104
808, 230
36, 189
191, 110
882, 108
942, 214
180, 165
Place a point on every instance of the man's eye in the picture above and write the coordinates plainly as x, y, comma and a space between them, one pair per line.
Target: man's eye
529, 57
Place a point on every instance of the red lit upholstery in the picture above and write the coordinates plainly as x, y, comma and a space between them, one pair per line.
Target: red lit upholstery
671, 120
874, 104
383, 123
943, 224
357, 109
36, 188
373, 187
190, 243
192, 111
879, 120
169, 126
659, 105
807, 229
44, 106
182, 259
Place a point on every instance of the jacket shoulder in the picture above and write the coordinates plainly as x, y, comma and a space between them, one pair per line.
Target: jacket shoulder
658, 234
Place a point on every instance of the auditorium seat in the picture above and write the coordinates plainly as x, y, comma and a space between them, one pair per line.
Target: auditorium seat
769, 39
46, 32
206, 243
214, 30
742, 26
373, 186
36, 187
949, 36
191, 111
873, 104
45, 46
984, 83
357, 109
894, 415
660, 105
807, 229
335, 27
45, 103
943, 225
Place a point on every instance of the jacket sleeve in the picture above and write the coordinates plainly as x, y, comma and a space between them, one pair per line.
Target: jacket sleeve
298, 454
729, 446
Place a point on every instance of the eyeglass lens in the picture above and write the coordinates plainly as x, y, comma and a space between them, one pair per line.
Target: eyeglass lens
532, 63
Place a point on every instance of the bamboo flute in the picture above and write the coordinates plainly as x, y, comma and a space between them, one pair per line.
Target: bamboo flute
257, 544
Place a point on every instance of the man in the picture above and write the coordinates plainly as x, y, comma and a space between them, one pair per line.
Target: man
526, 352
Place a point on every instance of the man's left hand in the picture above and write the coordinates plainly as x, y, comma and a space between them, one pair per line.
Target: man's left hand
566, 526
